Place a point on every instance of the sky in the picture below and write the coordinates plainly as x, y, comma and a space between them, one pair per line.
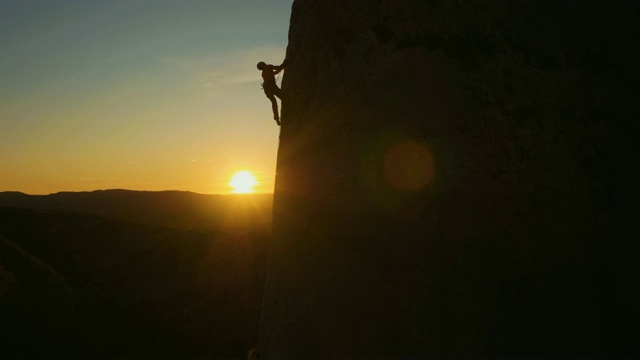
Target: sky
137, 94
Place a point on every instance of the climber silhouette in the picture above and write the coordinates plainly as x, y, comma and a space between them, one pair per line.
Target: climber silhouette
271, 89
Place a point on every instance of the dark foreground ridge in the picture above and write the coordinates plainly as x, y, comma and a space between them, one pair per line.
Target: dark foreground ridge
78, 285
456, 178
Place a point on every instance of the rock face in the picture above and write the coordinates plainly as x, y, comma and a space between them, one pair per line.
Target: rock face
456, 178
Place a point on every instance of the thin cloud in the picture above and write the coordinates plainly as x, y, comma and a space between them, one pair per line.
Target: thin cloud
236, 68
96, 179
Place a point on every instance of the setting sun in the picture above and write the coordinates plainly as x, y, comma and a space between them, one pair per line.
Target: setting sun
243, 182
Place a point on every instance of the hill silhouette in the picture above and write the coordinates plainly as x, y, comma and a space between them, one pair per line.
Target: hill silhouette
177, 209
75, 284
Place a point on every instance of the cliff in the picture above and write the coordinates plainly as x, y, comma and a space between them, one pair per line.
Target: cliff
456, 178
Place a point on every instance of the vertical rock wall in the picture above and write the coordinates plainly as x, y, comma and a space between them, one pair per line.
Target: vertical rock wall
456, 178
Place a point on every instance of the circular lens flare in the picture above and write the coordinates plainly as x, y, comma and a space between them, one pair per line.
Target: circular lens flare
243, 182
408, 166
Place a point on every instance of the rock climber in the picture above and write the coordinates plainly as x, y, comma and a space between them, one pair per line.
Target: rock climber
271, 89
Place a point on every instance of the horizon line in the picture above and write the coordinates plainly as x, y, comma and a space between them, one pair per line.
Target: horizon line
130, 190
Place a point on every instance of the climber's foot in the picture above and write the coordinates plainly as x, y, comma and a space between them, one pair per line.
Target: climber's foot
277, 119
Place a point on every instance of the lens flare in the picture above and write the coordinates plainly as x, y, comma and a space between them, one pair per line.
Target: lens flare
408, 166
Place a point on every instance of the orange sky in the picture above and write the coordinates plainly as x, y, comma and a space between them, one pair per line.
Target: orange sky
141, 95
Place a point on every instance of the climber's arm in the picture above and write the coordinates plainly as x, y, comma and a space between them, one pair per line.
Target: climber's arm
279, 68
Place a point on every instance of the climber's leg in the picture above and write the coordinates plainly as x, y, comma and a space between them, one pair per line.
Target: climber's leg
278, 92
274, 107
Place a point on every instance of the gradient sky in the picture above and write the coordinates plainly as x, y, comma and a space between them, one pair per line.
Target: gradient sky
137, 94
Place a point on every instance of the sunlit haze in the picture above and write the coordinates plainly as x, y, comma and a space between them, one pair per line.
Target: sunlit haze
141, 95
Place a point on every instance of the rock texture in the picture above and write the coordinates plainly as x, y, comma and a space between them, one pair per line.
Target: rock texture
456, 178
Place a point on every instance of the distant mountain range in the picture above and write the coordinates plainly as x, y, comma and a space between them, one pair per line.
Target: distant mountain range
176, 209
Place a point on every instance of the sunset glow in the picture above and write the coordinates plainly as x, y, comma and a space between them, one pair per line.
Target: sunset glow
139, 95
243, 182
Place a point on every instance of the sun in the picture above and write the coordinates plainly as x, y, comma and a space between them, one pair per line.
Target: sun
243, 182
